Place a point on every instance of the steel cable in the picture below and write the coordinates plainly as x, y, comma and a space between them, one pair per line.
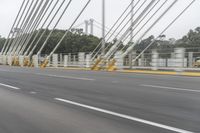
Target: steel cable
48, 37
172, 22
31, 52
13, 26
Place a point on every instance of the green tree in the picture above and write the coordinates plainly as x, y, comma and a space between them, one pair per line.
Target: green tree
192, 39
74, 42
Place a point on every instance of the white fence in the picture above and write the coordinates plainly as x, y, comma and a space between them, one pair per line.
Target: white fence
177, 59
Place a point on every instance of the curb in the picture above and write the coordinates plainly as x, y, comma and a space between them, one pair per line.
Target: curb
173, 73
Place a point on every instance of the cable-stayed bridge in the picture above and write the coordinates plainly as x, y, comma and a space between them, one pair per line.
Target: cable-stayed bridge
137, 21
152, 90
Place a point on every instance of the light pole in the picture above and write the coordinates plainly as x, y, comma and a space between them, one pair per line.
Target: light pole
132, 15
91, 26
86, 27
131, 35
103, 28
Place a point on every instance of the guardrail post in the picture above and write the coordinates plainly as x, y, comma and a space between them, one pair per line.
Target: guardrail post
81, 59
75, 62
55, 60
132, 56
36, 61
190, 59
142, 61
21, 60
8, 59
154, 60
1, 59
66, 59
61, 59
88, 61
180, 58
69, 59
119, 60
5, 59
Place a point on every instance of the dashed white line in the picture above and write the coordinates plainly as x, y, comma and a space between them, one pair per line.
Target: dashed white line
51, 75
33, 92
9, 86
125, 116
67, 77
170, 88
115, 82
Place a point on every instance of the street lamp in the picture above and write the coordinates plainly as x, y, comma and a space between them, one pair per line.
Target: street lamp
103, 28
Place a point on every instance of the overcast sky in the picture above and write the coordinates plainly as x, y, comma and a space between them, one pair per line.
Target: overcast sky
114, 8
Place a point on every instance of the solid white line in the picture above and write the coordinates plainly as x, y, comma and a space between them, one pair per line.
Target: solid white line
67, 77
170, 88
9, 86
125, 116
33, 92
51, 75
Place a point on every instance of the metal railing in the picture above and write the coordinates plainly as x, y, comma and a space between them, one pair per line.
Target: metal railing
152, 59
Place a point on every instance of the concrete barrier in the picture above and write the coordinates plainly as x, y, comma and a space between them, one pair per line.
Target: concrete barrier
36, 61
119, 59
21, 60
66, 59
55, 60
88, 61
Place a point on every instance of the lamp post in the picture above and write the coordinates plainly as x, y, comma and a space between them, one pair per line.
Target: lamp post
91, 26
131, 35
103, 28
86, 27
132, 15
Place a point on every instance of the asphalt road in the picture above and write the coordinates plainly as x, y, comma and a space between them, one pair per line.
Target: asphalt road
72, 101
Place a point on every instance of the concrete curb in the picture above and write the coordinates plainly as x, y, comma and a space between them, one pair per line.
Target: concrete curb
173, 73
191, 74
69, 68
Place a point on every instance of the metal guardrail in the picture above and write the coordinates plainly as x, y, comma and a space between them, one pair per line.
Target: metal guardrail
164, 61
185, 61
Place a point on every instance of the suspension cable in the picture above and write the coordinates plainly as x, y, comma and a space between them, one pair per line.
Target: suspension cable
41, 16
30, 26
48, 37
111, 30
24, 26
173, 21
157, 20
127, 23
68, 30
113, 48
12, 28
47, 27
40, 31
9, 46
146, 21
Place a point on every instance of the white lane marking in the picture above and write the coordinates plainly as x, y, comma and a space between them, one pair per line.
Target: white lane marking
115, 82
67, 77
125, 116
51, 75
33, 92
170, 88
9, 86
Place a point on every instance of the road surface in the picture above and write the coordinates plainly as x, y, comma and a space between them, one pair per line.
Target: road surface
72, 101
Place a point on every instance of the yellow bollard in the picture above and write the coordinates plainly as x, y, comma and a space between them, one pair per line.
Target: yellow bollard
95, 66
16, 61
111, 66
44, 64
26, 61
